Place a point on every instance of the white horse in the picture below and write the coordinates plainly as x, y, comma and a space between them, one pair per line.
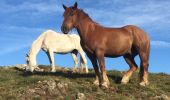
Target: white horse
52, 42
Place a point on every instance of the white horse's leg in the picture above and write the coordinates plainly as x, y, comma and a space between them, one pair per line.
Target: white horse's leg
83, 64
51, 58
74, 55
32, 68
83, 60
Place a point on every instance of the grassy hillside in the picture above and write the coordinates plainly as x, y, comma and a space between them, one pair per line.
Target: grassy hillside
64, 84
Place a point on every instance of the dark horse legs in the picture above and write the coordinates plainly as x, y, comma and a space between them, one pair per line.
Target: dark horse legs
144, 57
129, 58
133, 67
96, 68
101, 61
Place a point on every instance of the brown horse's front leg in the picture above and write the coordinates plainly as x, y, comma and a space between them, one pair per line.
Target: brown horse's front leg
96, 68
100, 57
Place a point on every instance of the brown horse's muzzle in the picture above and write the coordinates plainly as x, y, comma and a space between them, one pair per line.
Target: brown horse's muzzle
64, 29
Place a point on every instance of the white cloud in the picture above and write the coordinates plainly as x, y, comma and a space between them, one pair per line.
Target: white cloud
12, 48
140, 14
14, 38
18, 29
160, 44
43, 7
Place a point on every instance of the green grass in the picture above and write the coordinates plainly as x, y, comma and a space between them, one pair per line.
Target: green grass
14, 83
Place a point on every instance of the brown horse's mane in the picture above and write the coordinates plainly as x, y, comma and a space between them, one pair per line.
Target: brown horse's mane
84, 15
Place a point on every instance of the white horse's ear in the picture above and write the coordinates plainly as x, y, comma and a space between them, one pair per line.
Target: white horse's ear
27, 55
64, 7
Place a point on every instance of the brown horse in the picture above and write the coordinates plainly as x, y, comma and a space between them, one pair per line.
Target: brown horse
99, 42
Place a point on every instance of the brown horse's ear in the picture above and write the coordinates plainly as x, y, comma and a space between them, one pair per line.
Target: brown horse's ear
75, 5
64, 7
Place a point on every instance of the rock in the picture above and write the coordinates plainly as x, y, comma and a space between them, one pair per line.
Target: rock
21, 66
37, 69
39, 82
62, 87
80, 96
31, 90
35, 97
54, 92
165, 97
161, 97
39, 91
45, 81
48, 88
65, 68
57, 80
51, 84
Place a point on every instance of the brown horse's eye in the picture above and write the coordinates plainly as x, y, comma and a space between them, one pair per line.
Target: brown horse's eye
71, 14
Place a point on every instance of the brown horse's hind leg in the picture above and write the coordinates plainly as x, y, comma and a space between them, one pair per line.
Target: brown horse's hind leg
143, 69
96, 68
133, 67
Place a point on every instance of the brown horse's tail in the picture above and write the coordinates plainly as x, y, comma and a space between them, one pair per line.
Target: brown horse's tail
149, 50
143, 41
146, 44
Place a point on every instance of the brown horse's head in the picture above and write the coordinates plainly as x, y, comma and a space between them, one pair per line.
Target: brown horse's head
70, 18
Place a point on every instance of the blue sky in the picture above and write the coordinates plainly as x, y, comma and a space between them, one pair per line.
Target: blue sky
22, 21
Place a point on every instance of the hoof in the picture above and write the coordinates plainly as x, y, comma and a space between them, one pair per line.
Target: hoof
29, 71
96, 82
124, 82
105, 85
125, 78
87, 71
75, 70
144, 83
53, 70
82, 70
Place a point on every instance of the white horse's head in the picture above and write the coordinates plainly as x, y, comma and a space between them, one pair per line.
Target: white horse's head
30, 63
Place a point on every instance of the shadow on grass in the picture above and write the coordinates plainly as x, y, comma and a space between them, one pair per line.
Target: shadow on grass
68, 74
116, 79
